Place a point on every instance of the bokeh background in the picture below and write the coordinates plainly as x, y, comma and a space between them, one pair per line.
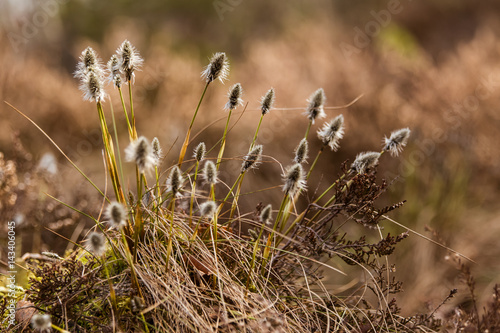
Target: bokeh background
432, 66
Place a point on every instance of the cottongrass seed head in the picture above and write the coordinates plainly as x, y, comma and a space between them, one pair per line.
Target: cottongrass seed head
115, 75
234, 97
174, 181
140, 152
157, 153
253, 159
316, 103
130, 60
267, 101
266, 214
208, 208
90, 72
332, 132
88, 60
116, 215
41, 322
96, 243
294, 179
218, 68
301, 151
364, 161
200, 152
397, 141
209, 173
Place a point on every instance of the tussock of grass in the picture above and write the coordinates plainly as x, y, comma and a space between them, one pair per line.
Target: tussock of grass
177, 260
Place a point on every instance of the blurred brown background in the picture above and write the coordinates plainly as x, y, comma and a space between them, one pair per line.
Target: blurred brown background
428, 65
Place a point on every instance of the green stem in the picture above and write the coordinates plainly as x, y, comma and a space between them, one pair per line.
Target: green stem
223, 143
193, 193
171, 236
256, 132
236, 196
186, 140
138, 214
158, 199
110, 155
315, 161
57, 328
231, 190
117, 143
134, 131
126, 114
130, 260
308, 129
275, 227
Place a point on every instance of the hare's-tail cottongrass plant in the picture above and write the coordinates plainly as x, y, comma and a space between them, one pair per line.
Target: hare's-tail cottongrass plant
171, 259
397, 141
129, 62
251, 161
301, 152
91, 74
315, 108
266, 104
218, 68
330, 135
234, 99
198, 155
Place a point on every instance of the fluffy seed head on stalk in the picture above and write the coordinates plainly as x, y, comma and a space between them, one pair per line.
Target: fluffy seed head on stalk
174, 181
114, 71
316, 102
267, 101
208, 208
397, 141
294, 179
88, 60
332, 132
252, 160
234, 97
210, 173
301, 151
200, 151
266, 214
96, 243
364, 161
130, 60
92, 87
90, 72
140, 152
116, 215
157, 153
41, 322
218, 68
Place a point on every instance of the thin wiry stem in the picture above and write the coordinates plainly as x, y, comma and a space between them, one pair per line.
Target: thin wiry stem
256, 132
117, 142
315, 161
110, 155
134, 131
223, 143
193, 193
308, 129
186, 140
130, 132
